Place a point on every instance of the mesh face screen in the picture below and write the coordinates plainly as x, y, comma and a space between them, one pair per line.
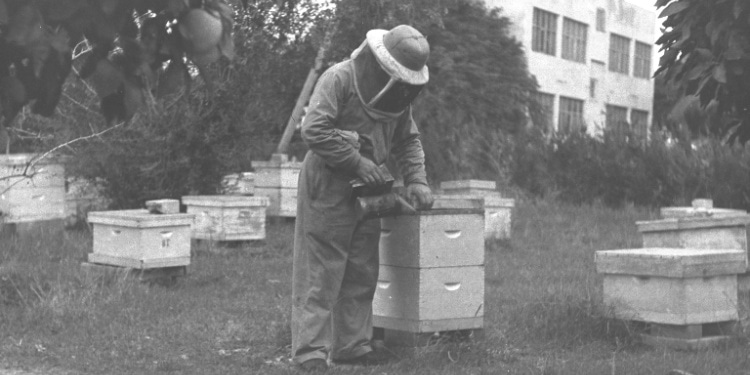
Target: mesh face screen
398, 97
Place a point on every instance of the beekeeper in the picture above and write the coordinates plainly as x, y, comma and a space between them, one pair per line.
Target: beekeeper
359, 114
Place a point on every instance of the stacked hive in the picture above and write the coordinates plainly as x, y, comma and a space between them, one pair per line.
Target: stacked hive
689, 282
277, 179
431, 272
497, 210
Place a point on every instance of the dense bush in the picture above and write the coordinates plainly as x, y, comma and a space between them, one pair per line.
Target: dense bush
617, 171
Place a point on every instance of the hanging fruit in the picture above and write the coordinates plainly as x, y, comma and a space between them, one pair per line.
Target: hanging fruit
127, 59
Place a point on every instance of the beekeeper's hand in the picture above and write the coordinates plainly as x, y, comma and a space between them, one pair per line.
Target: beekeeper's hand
420, 196
369, 172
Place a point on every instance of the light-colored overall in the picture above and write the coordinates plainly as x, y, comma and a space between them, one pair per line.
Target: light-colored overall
335, 256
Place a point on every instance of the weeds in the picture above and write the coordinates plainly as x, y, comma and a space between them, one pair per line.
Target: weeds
231, 313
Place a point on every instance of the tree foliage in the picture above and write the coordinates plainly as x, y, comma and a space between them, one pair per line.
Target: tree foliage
706, 54
479, 87
136, 48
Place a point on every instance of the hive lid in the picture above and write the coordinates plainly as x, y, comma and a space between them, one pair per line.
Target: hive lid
239, 201
671, 262
458, 202
139, 219
277, 161
692, 223
699, 212
468, 184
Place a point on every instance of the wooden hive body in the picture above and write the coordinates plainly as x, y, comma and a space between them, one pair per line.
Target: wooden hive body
138, 239
706, 227
227, 217
498, 211
671, 286
31, 192
432, 271
277, 179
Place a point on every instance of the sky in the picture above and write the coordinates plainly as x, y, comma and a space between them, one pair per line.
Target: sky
648, 4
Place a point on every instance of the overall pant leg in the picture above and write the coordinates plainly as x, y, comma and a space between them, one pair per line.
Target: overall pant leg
352, 314
323, 232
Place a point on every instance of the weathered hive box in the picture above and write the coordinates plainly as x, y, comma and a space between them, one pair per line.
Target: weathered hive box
227, 217
277, 179
696, 232
238, 184
138, 239
699, 208
702, 226
431, 271
671, 286
498, 211
82, 196
29, 190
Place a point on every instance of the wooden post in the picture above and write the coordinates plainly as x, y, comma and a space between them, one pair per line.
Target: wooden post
306, 92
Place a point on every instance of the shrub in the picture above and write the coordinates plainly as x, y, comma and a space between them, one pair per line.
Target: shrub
616, 170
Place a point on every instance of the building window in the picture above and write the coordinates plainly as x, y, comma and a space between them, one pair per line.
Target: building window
639, 121
617, 120
619, 54
544, 32
642, 60
571, 115
547, 108
592, 87
601, 20
574, 40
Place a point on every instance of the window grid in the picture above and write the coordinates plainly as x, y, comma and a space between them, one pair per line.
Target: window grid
544, 32
601, 20
547, 106
574, 40
619, 54
639, 119
617, 120
571, 115
642, 60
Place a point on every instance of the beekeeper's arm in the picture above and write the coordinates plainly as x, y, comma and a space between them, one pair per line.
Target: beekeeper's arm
322, 137
407, 150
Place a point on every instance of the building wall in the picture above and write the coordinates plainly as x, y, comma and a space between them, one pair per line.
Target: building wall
558, 76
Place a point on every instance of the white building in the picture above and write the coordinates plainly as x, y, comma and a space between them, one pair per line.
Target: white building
593, 60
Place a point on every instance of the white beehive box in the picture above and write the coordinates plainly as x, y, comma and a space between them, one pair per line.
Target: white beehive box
429, 299
422, 241
277, 179
227, 217
138, 239
238, 184
29, 190
432, 270
699, 208
671, 286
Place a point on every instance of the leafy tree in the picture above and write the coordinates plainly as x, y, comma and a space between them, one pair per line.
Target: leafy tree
137, 48
706, 54
479, 81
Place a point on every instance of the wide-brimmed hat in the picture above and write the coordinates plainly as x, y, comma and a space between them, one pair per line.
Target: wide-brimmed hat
402, 52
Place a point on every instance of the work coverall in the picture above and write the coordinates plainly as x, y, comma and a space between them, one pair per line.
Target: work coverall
336, 256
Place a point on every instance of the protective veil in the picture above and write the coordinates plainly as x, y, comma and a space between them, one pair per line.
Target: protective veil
335, 256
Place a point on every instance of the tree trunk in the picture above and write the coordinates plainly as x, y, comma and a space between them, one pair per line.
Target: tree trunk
306, 92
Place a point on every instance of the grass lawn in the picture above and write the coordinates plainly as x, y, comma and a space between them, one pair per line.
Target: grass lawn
230, 314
